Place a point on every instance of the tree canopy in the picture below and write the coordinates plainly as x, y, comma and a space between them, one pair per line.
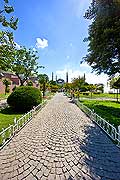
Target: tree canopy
79, 83
104, 36
8, 9
7, 49
7, 45
24, 64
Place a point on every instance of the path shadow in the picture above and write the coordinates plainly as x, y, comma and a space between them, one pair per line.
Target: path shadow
101, 158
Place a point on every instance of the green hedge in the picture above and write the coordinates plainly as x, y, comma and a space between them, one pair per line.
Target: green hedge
24, 98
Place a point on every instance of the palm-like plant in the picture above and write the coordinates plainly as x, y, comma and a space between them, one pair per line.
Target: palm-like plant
43, 79
6, 82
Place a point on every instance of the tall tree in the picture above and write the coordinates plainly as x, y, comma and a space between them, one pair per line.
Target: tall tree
92, 88
24, 64
104, 36
7, 45
7, 49
115, 83
78, 83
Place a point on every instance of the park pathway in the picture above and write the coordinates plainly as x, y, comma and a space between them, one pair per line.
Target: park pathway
60, 143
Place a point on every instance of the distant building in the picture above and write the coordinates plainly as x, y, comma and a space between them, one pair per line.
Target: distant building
60, 81
12, 78
14, 81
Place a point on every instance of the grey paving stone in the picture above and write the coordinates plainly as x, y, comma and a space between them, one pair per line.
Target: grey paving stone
60, 143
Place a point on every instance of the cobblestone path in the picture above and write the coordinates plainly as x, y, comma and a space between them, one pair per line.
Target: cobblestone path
60, 143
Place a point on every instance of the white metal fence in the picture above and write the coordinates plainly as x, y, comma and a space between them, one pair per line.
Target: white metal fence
106, 126
9, 132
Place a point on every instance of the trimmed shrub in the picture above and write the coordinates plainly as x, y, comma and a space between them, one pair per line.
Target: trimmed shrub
24, 98
86, 93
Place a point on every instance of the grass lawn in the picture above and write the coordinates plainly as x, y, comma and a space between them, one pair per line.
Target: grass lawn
3, 96
109, 110
101, 95
7, 116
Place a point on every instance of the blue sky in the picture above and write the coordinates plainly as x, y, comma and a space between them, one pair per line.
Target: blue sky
56, 29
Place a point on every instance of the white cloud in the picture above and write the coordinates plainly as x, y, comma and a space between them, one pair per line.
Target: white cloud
84, 65
41, 43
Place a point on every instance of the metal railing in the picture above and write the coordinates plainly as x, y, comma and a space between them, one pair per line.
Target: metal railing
7, 134
106, 126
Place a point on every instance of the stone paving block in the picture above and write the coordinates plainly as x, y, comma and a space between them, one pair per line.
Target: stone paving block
14, 178
61, 142
72, 173
35, 171
39, 174
30, 177
59, 171
20, 176
53, 171
57, 177
46, 172
20, 170
26, 166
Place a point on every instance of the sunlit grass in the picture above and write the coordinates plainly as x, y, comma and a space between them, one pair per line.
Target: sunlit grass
109, 110
101, 95
7, 116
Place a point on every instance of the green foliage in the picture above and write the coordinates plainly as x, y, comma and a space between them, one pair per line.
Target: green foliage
52, 82
115, 82
7, 50
29, 83
8, 9
67, 86
104, 38
54, 88
3, 96
24, 98
24, 64
79, 83
7, 45
43, 79
109, 110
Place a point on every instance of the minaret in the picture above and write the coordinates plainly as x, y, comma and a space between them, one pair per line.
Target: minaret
56, 77
52, 76
66, 77
84, 77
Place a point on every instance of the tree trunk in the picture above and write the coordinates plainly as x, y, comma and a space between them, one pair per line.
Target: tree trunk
44, 89
21, 81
